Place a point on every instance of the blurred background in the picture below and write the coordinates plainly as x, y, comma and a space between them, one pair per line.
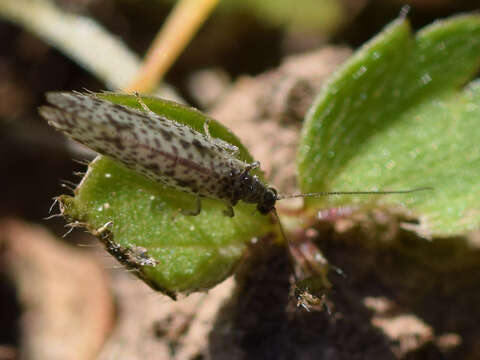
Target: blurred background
60, 298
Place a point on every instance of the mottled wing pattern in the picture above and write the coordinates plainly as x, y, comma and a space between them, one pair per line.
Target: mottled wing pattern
159, 148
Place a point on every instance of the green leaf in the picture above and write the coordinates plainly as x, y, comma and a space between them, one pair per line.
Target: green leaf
398, 115
141, 222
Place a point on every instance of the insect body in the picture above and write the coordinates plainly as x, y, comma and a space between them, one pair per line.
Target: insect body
159, 148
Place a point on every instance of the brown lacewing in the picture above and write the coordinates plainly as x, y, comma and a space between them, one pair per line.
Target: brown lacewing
168, 152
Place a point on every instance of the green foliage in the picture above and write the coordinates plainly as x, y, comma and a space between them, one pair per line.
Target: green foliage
398, 115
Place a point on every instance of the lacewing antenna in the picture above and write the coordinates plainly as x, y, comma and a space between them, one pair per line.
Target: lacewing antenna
284, 236
373, 192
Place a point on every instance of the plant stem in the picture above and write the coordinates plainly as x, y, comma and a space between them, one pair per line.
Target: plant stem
180, 27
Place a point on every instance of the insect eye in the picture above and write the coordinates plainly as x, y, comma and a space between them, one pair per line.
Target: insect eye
270, 197
271, 194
